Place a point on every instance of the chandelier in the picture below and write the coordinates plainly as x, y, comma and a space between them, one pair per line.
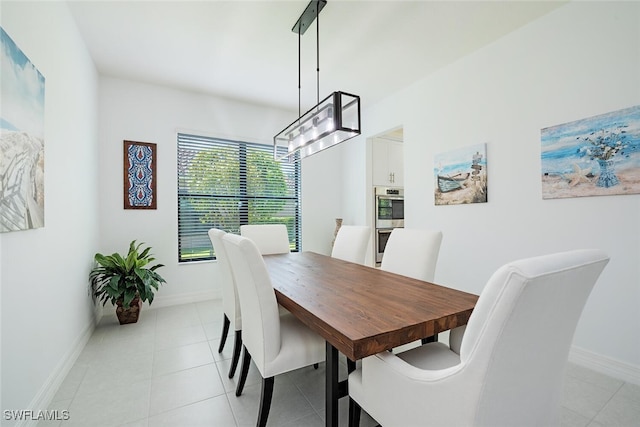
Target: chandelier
333, 120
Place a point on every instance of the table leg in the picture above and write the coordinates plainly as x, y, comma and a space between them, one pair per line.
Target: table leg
433, 338
331, 386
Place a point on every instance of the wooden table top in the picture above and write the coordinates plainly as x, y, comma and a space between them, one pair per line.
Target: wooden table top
362, 310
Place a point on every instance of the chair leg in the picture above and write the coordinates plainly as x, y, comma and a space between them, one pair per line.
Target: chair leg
246, 361
354, 413
225, 330
237, 346
265, 401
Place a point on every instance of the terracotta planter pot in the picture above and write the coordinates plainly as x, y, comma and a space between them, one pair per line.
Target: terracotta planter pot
131, 314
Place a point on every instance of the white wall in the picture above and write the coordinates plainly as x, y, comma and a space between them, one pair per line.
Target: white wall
322, 189
147, 113
46, 311
579, 61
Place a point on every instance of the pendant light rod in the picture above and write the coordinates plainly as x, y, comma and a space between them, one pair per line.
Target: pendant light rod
317, 56
299, 84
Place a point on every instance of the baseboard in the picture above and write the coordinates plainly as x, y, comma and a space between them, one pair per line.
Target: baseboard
51, 386
167, 301
605, 365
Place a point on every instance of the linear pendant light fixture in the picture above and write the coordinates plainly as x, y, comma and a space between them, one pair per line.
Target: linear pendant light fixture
333, 120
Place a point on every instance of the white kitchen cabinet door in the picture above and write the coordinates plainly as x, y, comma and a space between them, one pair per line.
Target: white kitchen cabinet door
388, 163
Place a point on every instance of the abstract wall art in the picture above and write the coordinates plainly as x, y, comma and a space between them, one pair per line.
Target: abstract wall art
461, 176
140, 175
596, 156
21, 140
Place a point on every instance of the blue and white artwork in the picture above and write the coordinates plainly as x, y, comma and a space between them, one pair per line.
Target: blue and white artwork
596, 156
21, 140
140, 175
461, 176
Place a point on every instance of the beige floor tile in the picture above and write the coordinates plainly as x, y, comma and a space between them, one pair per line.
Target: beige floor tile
184, 387
180, 358
121, 404
215, 411
172, 336
623, 409
584, 398
573, 419
209, 311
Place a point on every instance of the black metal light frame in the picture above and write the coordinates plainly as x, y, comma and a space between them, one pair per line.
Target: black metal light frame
333, 120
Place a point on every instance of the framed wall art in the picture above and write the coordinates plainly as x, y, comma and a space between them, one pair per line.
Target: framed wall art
461, 176
596, 156
140, 175
21, 140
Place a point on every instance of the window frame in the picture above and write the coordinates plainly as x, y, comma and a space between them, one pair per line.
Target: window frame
187, 145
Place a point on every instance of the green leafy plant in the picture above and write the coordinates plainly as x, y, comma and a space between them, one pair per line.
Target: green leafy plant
115, 277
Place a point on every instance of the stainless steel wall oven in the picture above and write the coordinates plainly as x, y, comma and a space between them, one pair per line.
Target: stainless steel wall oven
389, 214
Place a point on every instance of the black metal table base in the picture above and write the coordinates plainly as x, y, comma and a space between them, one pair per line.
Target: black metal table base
334, 389
331, 386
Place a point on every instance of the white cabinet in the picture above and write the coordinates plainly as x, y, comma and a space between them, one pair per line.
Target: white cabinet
388, 163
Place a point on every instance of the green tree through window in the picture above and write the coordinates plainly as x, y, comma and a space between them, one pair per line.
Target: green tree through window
225, 184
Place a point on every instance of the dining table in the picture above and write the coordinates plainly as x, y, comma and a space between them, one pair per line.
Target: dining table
360, 310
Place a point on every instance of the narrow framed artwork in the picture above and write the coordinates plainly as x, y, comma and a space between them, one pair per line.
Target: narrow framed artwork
140, 175
461, 176
595, 156
21, 140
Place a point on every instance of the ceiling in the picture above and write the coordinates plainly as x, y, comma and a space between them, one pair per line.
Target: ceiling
246, 50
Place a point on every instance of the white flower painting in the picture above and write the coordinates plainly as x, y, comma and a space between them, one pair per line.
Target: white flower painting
21, 140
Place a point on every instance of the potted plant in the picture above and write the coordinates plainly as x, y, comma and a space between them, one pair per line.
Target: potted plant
126, 281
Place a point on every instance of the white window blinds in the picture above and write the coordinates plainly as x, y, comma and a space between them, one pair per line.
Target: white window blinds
224, 184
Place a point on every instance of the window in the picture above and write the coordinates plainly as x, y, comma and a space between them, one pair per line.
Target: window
225, 184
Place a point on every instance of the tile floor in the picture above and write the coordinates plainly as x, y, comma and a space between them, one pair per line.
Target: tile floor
165, 370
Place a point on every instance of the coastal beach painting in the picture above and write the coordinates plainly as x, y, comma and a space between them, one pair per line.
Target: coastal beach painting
21, 140
595, 156
461, 176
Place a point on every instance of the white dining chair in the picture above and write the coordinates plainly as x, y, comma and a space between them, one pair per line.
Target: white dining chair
277, 343
351, 243
412, 252
508, 367
230, 302
269, 238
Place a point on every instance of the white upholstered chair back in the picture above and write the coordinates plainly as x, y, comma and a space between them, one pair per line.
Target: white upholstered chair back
269, 238
260, 316
230, 301
351, 243
412, 253
512, 359
520, 333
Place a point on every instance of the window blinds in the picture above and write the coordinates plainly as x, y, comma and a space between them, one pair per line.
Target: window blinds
224, 184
